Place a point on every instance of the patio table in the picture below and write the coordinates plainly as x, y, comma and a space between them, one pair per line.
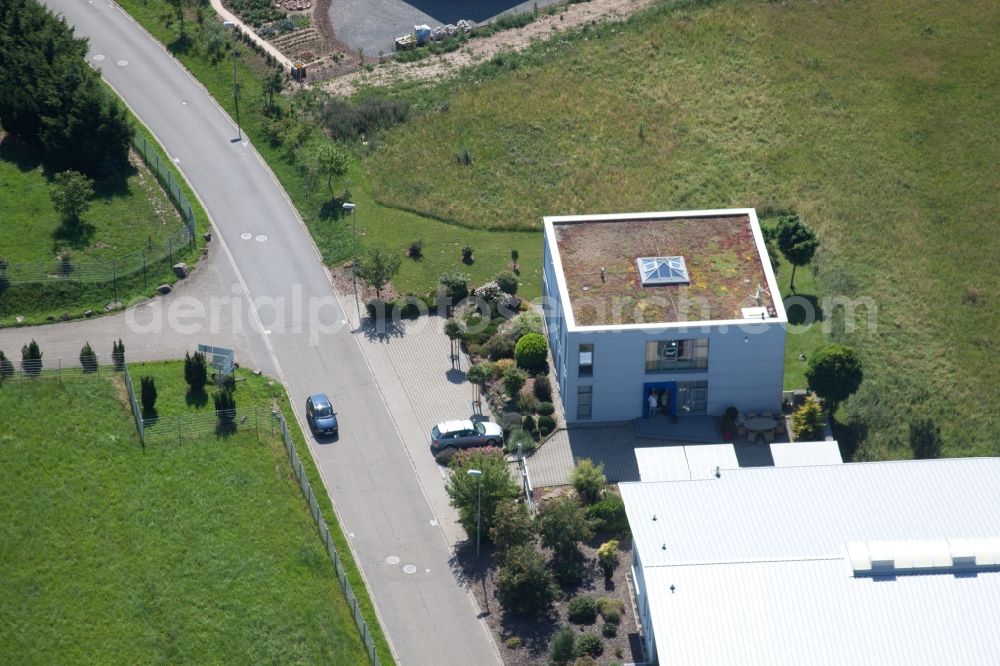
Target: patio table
759, 424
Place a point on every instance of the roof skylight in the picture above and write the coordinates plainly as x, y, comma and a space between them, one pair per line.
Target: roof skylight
662, 270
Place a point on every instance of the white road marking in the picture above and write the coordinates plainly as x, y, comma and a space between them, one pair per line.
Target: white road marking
434, 523
246, 236
97, 57
410, 569
392, 559
260, 238
122, 63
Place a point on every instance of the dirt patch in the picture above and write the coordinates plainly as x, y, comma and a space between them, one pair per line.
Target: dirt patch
344, 283
536, 632
479, 50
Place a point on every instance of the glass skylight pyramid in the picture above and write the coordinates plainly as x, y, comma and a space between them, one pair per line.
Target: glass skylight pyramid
662, 270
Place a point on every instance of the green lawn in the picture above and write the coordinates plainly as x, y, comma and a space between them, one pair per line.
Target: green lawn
122, 219
194, 553
876, 122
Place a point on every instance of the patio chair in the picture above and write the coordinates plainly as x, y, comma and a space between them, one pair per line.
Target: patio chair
768, 436
780, 429
741, 431
768, 415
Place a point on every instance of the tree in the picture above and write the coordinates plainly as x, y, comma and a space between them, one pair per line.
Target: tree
70, 193
195, 371
507, 282
454, 330
118, 354
88, 358
497, 486
524, 583
607, 557
332, 160
797, 242
834, 374
512, 527
807, 421
273, 84
477, 376
925, 439
6, 367
588, 479
31, 359
148, 392
378, 266
771, 245
531, 350
179, 6
562, 526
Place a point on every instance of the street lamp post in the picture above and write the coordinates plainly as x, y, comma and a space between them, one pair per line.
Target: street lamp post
477, 474
236, 97
352, 208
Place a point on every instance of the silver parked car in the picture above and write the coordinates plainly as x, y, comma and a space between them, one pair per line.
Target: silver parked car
465, 434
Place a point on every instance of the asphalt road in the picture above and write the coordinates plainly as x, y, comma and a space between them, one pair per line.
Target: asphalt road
300, 324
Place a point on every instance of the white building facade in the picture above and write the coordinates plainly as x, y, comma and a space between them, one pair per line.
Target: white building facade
607, 372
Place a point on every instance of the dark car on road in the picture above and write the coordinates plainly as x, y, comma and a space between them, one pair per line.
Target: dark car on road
320, 416
464, 434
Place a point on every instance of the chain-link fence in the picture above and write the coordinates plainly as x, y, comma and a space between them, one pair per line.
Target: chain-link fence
147, 261
19, 371
324, 532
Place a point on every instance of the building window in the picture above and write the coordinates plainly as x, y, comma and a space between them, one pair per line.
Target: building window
673, 355
584, 396
692, 397
586, 368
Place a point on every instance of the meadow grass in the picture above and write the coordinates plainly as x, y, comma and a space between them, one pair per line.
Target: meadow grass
201, 552
875, 122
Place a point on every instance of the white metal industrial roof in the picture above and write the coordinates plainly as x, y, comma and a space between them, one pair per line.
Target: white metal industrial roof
683, 463
797, 454
794, 613
753, 567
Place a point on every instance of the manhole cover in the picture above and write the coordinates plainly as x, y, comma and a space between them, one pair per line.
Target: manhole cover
97, 58
392, 559
122, 63
260, 238
410, 569
246, 236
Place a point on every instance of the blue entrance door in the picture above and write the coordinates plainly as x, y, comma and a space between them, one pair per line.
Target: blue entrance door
658, 388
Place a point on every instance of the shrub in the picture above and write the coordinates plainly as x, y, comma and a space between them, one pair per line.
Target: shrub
585, 660
528, 424
543, 389
524, 584
416, 249
507, 282
524, 323
512, 526
582, 609
588, 479
607, 557
455, 283
6, 367
546, 424
526, 402
491, 293
495, 484
807, 421
118, 354
88, 358
502, 367
925, 439
611, 609
562, 649
609, 630
467, 253
148, 393
546, 409
531, 350
499, 346
510, 420
519, 436
608, 515
195, 372
591, 644
31, 359
513, 643
513, 382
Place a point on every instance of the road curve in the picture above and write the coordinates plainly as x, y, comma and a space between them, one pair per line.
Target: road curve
429, 617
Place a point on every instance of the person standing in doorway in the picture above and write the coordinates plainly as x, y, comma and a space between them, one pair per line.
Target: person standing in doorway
652, 403
664, 402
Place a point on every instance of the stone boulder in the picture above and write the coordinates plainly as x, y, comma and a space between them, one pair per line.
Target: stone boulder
163, 289
181, 270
